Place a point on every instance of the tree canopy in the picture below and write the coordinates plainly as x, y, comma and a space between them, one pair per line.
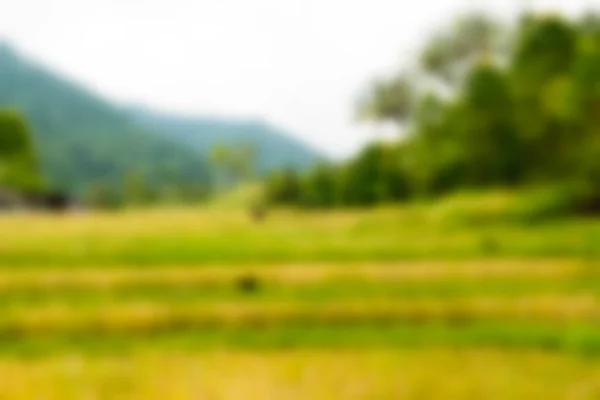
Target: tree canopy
487, 105
18, 164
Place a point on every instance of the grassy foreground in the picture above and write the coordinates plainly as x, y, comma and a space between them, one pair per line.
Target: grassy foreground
305, 374
451, 300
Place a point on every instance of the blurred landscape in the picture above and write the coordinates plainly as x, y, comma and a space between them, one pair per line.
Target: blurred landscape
146, 254
108, 155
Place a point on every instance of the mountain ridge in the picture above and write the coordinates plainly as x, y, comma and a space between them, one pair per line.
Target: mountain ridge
284, 150
83, 139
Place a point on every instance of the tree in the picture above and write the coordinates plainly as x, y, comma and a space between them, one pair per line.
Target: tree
473, 37
18, 164
234, 164
391, 99
319, 188
284, 188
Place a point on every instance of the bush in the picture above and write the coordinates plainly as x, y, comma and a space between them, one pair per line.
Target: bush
556, 201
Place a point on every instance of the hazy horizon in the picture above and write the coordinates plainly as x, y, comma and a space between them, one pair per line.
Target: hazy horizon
300, 65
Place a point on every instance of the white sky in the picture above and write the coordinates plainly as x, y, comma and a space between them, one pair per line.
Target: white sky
299, 64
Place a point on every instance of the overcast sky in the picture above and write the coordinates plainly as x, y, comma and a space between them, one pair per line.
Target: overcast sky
299, 64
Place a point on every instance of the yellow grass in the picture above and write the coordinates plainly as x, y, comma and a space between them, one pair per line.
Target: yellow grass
304, 374
147, 315
162, 221
287, 274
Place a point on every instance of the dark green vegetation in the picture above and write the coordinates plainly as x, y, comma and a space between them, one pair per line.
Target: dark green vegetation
488, 106
91, 148
18, 164
579, 339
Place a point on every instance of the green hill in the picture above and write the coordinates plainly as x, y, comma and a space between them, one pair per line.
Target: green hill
274, 149
86, 143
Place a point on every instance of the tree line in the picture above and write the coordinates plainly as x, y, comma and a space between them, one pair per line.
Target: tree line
485, 105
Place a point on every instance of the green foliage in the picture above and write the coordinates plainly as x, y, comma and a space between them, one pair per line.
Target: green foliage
392, 99
374, 176
18, 164
284, 187
320, 188
528, 116
473, 36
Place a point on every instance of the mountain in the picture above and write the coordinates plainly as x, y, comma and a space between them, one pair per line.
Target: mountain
85, 142
274, 149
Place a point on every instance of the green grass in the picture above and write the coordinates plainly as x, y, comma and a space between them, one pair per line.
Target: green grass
581, 338
80, 296
457, 228
433, 309
464, 277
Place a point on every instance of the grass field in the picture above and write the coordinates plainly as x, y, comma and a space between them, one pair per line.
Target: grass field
453, 300
306, 374
181, 236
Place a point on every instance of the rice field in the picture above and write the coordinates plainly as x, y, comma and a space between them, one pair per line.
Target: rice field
392, 303
305, 374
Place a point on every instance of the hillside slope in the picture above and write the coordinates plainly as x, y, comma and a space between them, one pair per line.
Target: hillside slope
85, 142
274, 148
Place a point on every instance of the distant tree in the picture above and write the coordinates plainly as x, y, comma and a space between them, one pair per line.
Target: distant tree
319, 188
389, 99
473, 37
234, 164
376, 175
244, 162
18, 163
283, 187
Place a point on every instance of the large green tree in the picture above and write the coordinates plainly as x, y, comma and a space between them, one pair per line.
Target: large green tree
18, 164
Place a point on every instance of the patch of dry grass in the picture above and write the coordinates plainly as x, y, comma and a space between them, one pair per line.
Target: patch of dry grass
305, 374
143, 317
193, 236
98, 277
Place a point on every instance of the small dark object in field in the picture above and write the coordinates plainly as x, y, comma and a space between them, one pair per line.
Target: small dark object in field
248, 284
490, 245
258, 212
56, 202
